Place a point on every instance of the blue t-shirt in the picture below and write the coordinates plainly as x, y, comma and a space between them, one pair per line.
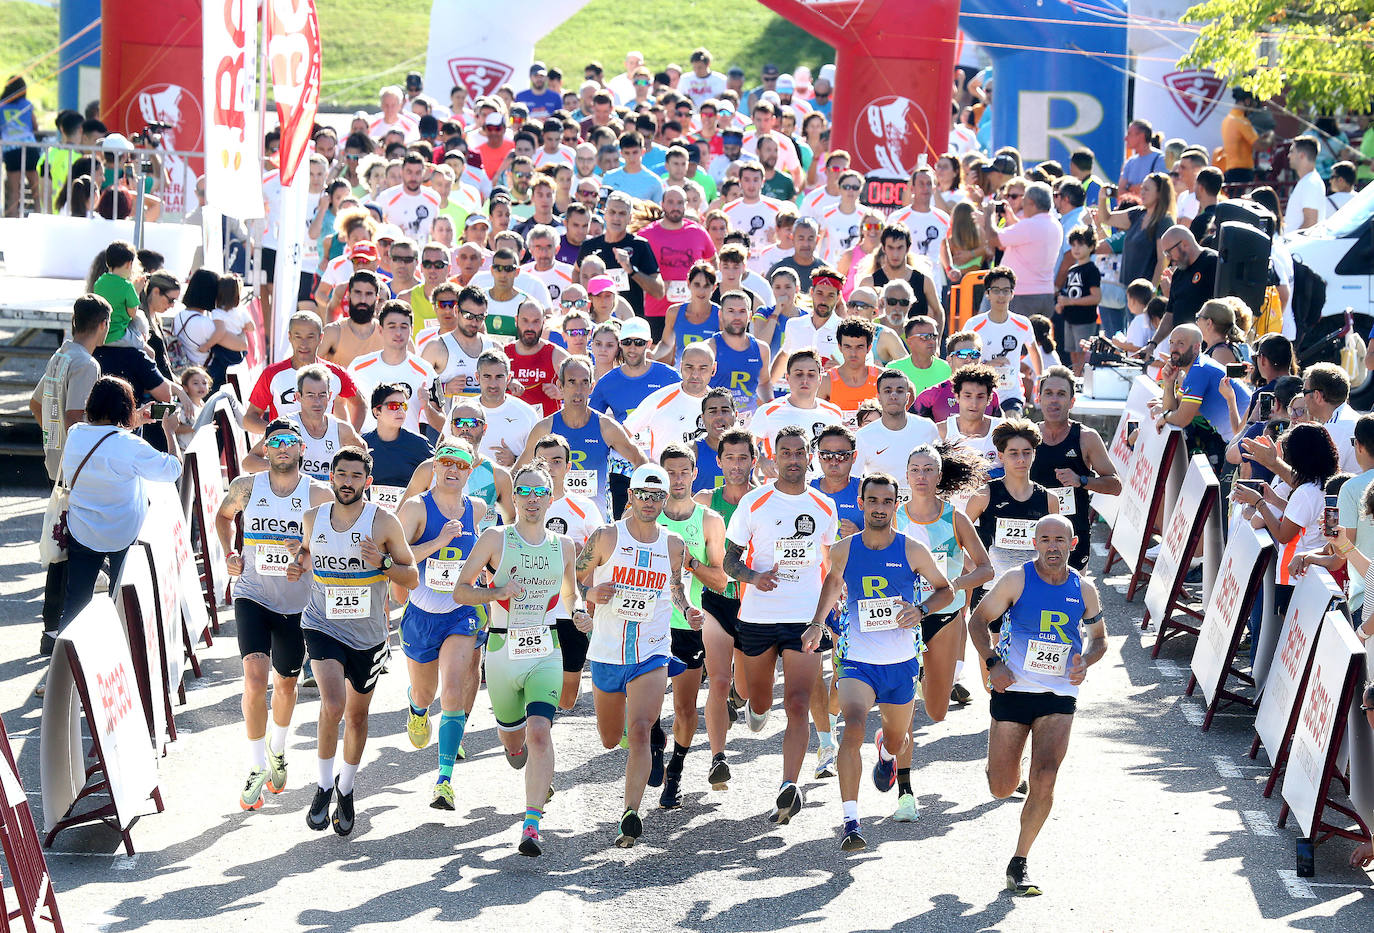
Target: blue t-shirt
394, 462
540, 103
1138, 166
618, 394
655, 157
643, 184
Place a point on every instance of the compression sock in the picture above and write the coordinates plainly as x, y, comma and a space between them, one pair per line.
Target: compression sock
326, 780
834, 723
451, 726
903, 781
257, 753
276, 738
679, 758
532, 817
346, 775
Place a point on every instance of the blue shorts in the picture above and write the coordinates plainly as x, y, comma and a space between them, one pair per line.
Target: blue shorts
615, 678
893, 684
422, 633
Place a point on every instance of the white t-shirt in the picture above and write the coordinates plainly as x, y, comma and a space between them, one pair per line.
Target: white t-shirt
760, 221
1140, 330
413, 213
779, 413
790, 533
881, 448
272, 191
511, 423
1305, 507
839, 232
1003, 346
406, 122
1185, 206
928, 232
564, 156
801, 332
1341, 427
556, 278
816, 201
192, 329
701, 89
1309, 192
666, 416
414, 372
577, 517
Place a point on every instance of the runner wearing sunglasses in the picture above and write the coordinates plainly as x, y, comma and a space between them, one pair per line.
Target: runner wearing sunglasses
437, 637
489, 482
532, 570
633, 573
267, 607
453, 353
937, 402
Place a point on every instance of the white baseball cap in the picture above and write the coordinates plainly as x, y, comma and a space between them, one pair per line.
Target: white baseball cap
649, 476
636, 328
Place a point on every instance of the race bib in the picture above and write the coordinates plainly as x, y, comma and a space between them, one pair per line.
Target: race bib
791, 555
347, 602
1050, 658
1014, 534
878, 615
581, 483
271, 560
678, 292
942, 564
442, 575
387, 498
1066, 499
634, 604
529, 644
619, 278
1008, 374
903, 494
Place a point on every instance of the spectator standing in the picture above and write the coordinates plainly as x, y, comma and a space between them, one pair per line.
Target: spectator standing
1030, 244
1307, 204
1141, 256
1145, 160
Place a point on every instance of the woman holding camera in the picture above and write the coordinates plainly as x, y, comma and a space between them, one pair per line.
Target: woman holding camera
105, 465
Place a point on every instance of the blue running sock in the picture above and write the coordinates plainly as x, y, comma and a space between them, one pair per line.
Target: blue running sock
532, 817
451, 726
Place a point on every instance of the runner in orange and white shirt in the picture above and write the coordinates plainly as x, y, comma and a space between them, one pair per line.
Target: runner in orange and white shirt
411, 205
553, 152
842, 221
393, 117
799, 407
543, 246
928, 224
672, 414
765, 116
823, 197
394, 363
754, 214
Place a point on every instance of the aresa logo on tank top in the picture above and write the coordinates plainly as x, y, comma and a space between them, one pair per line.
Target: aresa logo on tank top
335, 562
284, 526
557, 526
805, 526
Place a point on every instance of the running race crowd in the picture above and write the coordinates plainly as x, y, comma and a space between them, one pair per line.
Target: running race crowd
627, 378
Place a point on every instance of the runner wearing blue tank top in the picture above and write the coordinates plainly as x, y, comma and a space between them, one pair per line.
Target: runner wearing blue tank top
619, 392
743, 362
689, 322
876, 573
1052, 634
267, 607
592, 436
718, 415
438, 638
488, 481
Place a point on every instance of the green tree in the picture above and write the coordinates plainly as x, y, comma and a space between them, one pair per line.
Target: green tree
1321, 52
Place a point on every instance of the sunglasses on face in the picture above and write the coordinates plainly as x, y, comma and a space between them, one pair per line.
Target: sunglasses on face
524, 175
395, 405
463, 422
641, 82
434, 264
502, 267
634, 342
402, 259
860, 304
283, 440
924, 336
835, 456
649, 495
575, 332
474, 315
580, 303
834, 169
897, 302
450, 463
966, 354
447, 303
850, 187
539, 492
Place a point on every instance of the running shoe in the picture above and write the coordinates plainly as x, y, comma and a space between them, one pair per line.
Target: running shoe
756, 722
1019, 881
671, 798
631, 826
959, 694
529, 842
442, 797
276, 772
517, 761
549, 794
789, 804
251, 798
853, 840
318, 817
343, 811
462, 754
825, 761
720, 773
907, 811
417, 727
884, 772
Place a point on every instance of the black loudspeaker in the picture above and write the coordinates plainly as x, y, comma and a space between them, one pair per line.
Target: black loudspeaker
1243, 263
1246, 212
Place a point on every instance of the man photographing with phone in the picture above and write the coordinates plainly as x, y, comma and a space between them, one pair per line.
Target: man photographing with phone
1193, 398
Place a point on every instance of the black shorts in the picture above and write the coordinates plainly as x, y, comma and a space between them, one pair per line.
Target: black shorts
306, 291
574, 645
689, 648
361, 667
275, 634
931, 625
269, 263
30, 156
756, 639
1026, 708
724, 610
619, 485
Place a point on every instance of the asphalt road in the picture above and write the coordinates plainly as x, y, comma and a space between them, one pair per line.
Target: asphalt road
1157, 826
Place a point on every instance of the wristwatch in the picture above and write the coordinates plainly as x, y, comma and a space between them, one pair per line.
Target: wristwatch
992, 661
386, 563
